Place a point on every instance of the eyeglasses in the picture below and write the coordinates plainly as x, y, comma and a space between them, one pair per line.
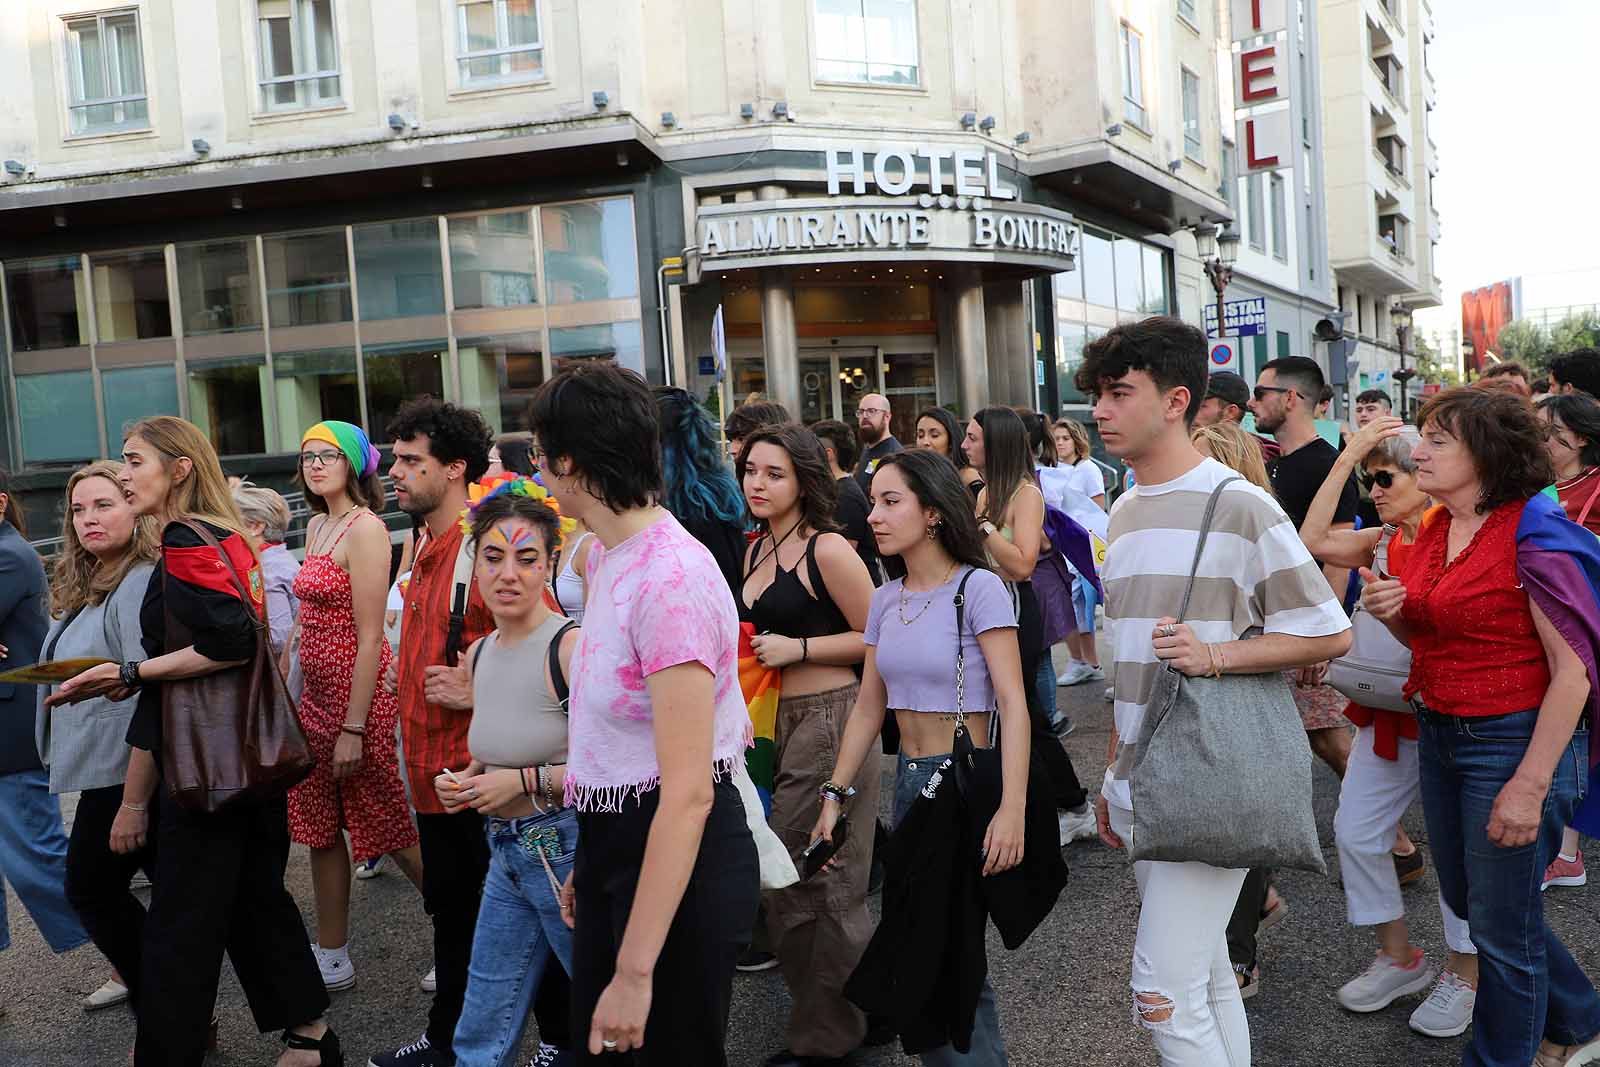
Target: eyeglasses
1382, 479
320, 459
871, 411
1263, 390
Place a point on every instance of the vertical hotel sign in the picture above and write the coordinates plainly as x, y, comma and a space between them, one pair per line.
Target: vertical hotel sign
1265, 135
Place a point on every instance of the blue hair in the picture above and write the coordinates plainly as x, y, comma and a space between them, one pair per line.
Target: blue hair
699, 485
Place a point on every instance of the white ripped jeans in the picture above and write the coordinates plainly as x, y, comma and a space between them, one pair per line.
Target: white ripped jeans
1184, 990
1375, 794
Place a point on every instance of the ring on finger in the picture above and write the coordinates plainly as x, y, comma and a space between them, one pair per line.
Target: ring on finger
607, 1043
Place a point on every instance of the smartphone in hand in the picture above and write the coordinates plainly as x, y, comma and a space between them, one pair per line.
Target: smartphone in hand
822, 850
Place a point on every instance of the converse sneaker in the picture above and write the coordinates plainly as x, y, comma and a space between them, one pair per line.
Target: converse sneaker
337, 970
112, 993
420, 1053
1565, 872
430, 981
370, 868
1380, 984
1077, 825
550, 1056
1448, 1010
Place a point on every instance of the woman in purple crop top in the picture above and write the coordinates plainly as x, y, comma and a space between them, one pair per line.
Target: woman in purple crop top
923, 514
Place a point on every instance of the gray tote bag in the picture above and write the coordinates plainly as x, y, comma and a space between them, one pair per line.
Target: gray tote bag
1222, 771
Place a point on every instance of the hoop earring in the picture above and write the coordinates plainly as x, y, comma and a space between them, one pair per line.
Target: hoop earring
933, 531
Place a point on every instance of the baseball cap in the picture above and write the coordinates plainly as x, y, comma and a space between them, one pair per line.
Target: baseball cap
1229, 388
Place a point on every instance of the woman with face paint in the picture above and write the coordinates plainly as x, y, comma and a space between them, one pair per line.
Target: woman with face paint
517, 777
348, 718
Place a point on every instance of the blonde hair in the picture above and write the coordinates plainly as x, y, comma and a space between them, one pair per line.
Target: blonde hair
204, 494
1232, 447
77, 577
1080, 436
257, 503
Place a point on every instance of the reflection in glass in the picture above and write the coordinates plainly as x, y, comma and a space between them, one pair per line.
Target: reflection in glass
133, 393
398, 269
59, 423
499, 375
1069, 357
49, 303
911, 383
816, 390
1155, 281
619, 341
105, 74
1099, 275
492, 260
398, 374
299, 54
308, 278
1130, 275
499, 41
872, 41
219, 287
312, 386
130, 296
589, 251
227, 400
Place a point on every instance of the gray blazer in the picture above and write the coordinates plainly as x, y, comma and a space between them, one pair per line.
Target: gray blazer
84, 744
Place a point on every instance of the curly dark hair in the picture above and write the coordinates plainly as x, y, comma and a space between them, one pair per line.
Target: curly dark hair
936, 484
1171, 351
748, 418
819, 493
511, 505
516, 453
454, 433
1579, 368
1502, 435
603, 419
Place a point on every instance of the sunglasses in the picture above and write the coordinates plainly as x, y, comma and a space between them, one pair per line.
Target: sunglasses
1262, 390
1382, 479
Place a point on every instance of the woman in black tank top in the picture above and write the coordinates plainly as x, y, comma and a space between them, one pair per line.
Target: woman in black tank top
806, 594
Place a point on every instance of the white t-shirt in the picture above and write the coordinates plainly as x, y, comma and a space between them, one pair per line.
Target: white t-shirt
1072, 490
1255, 572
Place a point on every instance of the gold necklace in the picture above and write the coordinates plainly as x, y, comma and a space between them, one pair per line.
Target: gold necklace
900, 608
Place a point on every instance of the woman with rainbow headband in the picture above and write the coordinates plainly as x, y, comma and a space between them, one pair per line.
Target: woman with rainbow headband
517, 777
356, 786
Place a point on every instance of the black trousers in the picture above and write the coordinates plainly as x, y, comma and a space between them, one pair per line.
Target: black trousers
1068, 792
1247, 916
98, 880
693, 979
455, 861
552, 1005
219, 888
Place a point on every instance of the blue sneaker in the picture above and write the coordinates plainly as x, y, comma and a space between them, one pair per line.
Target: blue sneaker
370, 868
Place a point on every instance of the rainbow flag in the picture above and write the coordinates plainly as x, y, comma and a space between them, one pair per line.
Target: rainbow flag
1558, 563
760, 686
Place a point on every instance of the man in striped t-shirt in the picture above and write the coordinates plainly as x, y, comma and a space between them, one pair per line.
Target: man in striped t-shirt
1149, 379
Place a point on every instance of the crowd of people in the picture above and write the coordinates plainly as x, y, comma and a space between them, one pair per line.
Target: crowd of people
536, 708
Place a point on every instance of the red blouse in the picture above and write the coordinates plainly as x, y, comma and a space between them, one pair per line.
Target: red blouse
1474, 648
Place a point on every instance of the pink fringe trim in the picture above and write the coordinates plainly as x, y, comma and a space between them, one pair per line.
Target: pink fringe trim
611, 798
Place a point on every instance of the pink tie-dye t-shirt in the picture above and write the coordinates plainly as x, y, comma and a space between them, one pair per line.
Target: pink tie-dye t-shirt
655, 601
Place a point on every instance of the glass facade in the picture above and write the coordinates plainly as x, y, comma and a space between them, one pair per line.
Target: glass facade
1116, 279
273, 334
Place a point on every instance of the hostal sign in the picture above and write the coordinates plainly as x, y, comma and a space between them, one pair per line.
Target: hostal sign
921, 202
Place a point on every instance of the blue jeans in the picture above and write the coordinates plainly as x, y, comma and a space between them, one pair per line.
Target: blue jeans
33, 858
1529, 986
1044, 683
519, 924
988, 1047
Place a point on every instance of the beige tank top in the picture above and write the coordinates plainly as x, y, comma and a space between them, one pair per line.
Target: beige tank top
516, 719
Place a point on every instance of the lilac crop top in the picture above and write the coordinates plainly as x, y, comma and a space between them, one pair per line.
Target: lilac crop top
917, 657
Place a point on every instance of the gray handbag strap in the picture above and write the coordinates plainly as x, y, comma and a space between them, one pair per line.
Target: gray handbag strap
1200, 542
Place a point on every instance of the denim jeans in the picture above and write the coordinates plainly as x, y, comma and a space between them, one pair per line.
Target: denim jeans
33, 858
1529, 986
988, 1047
1044, 683
519, 923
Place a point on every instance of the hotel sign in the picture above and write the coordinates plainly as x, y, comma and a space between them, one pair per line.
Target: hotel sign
930, 203
1265, 135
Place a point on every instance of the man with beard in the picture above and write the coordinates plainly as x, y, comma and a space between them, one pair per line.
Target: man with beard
872, 426
1228, 400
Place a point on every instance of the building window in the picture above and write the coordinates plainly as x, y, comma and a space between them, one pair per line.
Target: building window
49, 303
1257, 214
1308, 242
227, 399
130, 296
1187, 12
498, 42
589, 251
219, 286
1099, 273
1132, 76
399, 272
492, 260
299, 54
398, 374
308, 279
499, 376
105, 74
618, 342
1280, 218
59, 422
873, 42
1191, 114
1283, 345
134, 393
313, 386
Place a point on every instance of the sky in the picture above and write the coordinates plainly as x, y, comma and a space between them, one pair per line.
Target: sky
1518, 152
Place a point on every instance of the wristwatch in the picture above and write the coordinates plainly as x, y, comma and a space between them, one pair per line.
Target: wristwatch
987, 527
129, 675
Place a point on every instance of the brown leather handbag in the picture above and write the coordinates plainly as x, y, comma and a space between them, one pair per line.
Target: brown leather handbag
233, 736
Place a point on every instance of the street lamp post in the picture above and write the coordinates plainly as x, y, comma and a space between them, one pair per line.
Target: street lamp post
1218, 248
1401, 316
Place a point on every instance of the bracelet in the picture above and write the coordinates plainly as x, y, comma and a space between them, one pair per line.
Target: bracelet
357, 728
527, 787
805, 650
129, 675
140, 808
841, 793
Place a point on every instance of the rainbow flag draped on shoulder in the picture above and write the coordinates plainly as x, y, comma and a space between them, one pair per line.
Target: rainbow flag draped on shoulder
760, 687
1558, 563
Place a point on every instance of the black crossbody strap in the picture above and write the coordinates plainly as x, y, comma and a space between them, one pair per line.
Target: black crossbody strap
558, 678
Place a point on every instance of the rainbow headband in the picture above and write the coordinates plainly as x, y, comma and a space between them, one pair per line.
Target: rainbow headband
349, 439
491, 486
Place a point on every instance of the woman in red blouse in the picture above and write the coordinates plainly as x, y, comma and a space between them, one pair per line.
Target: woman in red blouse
1499, 697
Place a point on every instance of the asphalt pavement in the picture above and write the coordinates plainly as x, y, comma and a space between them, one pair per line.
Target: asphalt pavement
1064, 997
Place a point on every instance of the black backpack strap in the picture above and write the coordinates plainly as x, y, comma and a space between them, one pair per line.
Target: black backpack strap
458, 623
477, 654
558, 678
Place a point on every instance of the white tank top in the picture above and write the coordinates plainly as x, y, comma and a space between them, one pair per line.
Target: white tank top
569, 583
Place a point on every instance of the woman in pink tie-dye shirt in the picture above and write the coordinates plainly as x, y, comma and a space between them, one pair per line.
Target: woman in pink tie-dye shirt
666, 881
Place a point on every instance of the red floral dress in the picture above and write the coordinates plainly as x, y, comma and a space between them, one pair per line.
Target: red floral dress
371, 803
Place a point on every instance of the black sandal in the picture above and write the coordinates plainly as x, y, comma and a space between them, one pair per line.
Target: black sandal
327, 1046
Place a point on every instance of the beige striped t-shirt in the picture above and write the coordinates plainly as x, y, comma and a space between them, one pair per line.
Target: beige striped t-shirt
1255, 572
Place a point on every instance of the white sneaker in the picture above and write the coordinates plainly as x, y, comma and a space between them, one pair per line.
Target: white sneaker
1111, 694
1448, 1010
370, 868
113, 992
430, 981
1077, 826
1078, 672
1382, 983
337, 970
